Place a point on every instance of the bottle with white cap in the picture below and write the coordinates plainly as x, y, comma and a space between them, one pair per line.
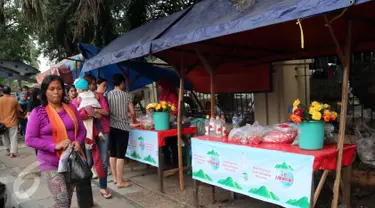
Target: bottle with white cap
223, 124
212, 126
218, 127
207, 126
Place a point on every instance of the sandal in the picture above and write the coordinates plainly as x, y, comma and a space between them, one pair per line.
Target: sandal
12, 155
106, 195
125, 185
123, 181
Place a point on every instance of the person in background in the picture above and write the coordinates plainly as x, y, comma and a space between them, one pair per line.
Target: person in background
25, 90
101, 86
120, 103
34, 100
103, 125
33, 103
51, 128
72, 92
168, 93
24, 102
9, 112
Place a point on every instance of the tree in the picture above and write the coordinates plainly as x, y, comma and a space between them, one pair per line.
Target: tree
16, 36
60, 24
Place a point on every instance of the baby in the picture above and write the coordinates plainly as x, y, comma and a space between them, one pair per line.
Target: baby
86, 98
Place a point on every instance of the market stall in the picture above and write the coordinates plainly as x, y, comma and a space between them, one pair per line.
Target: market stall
146, 146
280, 174
145, 143
215, 35
67, 69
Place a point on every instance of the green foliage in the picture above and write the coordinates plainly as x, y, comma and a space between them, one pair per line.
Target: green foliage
59, 25
16, 36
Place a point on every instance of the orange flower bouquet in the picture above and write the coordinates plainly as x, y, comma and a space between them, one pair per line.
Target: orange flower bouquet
311, 121
315, 112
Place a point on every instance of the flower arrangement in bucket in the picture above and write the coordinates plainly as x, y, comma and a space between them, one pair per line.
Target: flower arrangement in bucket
311, 123
161, 112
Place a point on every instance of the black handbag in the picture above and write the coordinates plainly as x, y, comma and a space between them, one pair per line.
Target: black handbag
84, 195
3, 195
3, 128
78, 169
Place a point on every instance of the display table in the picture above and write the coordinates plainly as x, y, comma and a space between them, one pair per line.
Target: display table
145, 146
276, 173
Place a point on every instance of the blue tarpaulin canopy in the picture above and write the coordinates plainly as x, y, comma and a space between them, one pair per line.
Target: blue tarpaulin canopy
137, 43
140, 74
218, 19
243, 42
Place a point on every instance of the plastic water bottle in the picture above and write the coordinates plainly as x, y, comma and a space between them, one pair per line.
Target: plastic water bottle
223, 126
235, 121
207, 126
212, 126
218, 127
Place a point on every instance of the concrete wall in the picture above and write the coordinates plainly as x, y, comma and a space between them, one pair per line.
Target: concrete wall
288, 83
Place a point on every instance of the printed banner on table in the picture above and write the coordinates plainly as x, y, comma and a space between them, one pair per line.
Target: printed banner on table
272, 176
143, 147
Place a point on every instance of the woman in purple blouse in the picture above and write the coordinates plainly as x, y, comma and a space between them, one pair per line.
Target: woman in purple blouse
42, 133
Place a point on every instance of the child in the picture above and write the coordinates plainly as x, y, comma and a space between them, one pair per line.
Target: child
86, 98
23, 104
89, 101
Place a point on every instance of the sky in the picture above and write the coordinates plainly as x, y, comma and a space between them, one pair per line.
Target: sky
44, 64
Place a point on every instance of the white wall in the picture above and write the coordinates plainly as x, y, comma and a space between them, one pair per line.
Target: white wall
288, 83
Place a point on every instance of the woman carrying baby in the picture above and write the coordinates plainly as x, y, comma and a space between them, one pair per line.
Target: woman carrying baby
94, 108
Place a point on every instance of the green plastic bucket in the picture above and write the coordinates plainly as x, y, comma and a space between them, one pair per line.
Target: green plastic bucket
311, 136
161, 121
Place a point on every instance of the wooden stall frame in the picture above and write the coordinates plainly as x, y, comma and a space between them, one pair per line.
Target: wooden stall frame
181, 73
345, 57
340, 182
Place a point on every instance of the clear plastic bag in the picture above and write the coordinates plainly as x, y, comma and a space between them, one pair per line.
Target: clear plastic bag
248, 134
63, 162
284, 133
237, 134
147, 121
366, 144
329, 129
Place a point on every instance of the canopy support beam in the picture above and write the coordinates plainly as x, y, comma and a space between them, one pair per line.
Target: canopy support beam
345, 59
211, 71
134, 80
179, 129
181, 73
338, 47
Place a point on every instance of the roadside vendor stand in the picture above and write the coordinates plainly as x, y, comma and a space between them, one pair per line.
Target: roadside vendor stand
214, 35
146, 146
276, 173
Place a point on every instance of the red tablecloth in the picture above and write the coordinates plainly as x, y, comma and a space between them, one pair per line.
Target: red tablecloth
162, 135
325, 159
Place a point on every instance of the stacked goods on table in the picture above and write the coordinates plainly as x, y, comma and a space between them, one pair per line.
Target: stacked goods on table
284, 133
308, 123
